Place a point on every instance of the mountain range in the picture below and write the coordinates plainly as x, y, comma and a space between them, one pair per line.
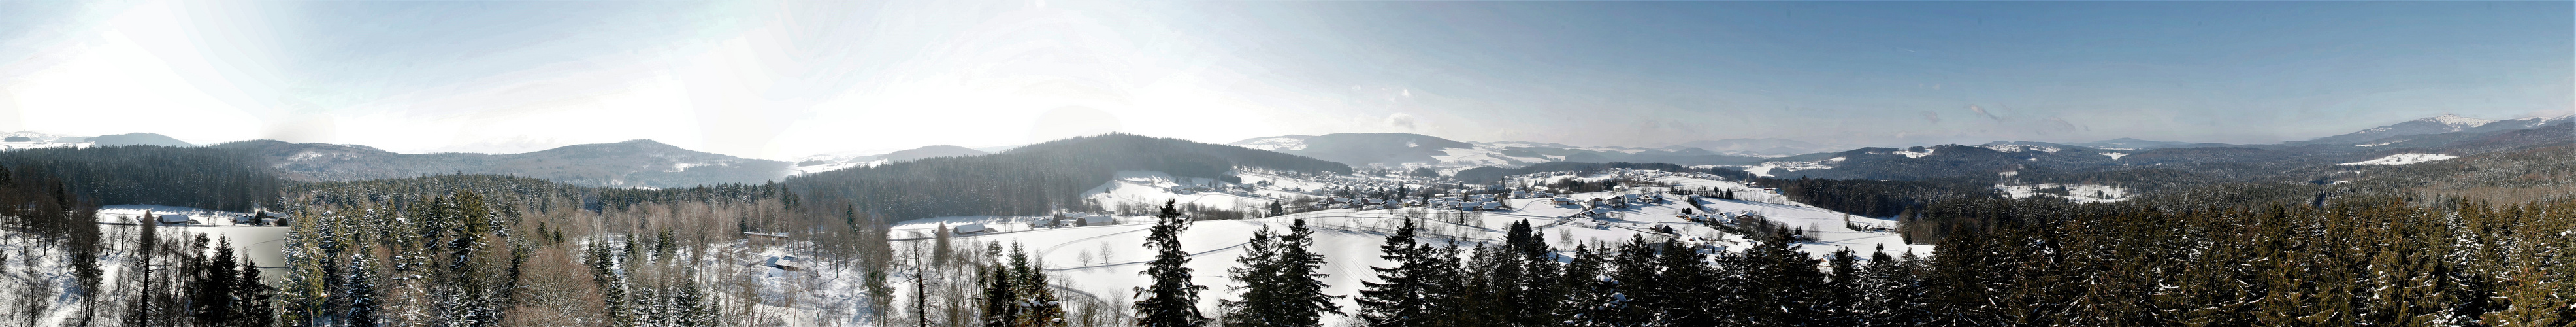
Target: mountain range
645, 163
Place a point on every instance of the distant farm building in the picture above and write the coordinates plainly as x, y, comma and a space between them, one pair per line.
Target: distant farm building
970, 229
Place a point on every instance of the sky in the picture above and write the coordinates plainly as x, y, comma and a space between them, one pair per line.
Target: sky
782, 79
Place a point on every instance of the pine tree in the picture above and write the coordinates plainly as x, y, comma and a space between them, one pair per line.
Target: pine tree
1172, 300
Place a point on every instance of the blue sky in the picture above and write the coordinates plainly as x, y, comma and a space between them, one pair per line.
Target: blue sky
781, 79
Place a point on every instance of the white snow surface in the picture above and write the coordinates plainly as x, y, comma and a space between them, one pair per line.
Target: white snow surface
1910, 153
2014, 148
2114, 155
1483, 155
1152, 188
2403, 159
2081, 193
1766, 168
2457, 123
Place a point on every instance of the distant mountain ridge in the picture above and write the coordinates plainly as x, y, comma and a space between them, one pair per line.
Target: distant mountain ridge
1758, 147
635, 163
138, 139
2446, 123
828, 162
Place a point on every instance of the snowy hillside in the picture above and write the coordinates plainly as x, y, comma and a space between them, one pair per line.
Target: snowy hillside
2446, 123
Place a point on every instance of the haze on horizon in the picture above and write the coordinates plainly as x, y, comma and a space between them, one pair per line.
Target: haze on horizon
785, 79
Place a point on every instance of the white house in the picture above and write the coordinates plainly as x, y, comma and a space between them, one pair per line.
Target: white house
971, 229
175, 219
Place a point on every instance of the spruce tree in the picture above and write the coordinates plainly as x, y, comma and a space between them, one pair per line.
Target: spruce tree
1400, 296
257, 308
1038, 303
1779, 283
1172, 300
1843, 289
364, 307
1637, 278
1590, 297
210, 293
142, 313
1000, 298
1692, 291
1258, 271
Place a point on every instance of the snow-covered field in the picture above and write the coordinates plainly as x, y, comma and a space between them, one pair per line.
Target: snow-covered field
1152, 188
1106, 261
2404, 159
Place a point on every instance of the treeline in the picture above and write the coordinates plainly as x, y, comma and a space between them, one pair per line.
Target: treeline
1029, 180
219, 179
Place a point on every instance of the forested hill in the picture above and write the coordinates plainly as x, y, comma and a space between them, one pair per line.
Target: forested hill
643, 163
1029, 180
